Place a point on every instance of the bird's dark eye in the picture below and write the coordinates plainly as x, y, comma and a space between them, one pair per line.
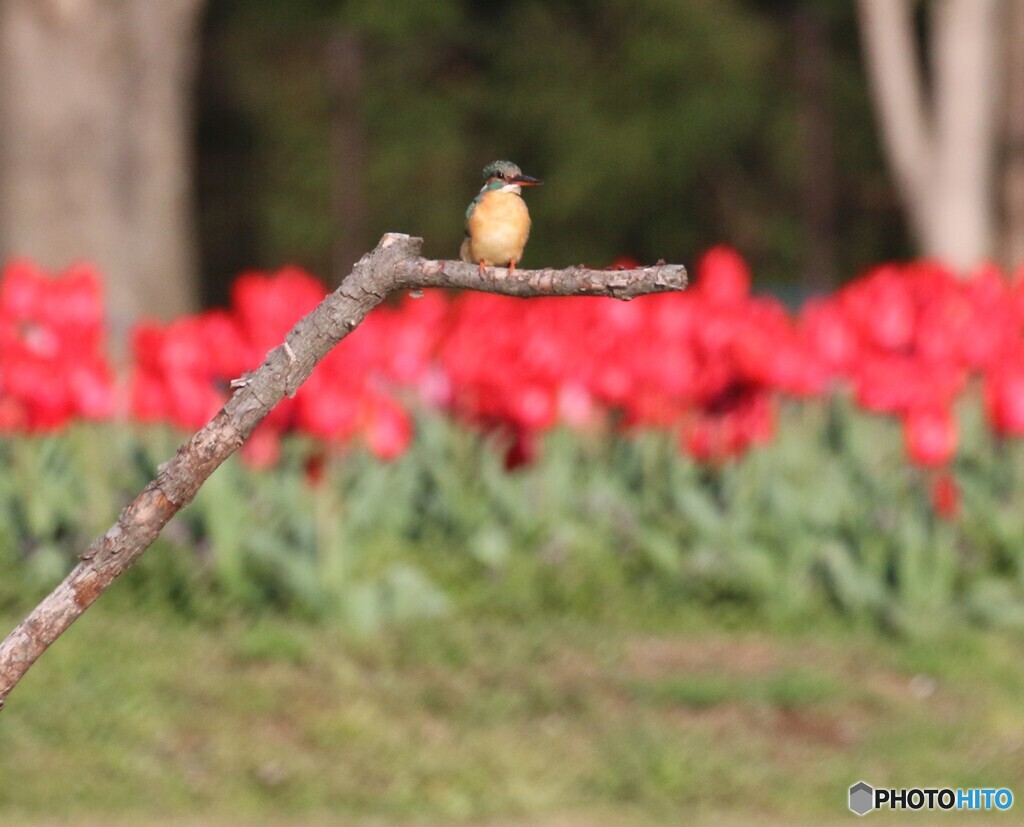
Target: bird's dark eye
500, 175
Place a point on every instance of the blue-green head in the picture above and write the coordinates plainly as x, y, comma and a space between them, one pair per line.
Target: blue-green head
503, 173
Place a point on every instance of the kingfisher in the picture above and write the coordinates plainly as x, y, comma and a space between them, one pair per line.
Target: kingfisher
497, 221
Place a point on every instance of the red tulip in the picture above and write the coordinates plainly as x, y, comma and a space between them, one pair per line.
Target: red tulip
945, 496
723, 276
1004, 399
931, 436
388, 428
262, 449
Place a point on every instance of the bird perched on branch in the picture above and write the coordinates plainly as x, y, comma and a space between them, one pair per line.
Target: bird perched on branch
497, 222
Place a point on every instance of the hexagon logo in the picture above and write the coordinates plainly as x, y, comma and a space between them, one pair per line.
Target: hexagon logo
862, 798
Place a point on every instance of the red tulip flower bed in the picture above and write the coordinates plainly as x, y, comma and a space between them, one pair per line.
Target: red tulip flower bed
710, 364
759, 462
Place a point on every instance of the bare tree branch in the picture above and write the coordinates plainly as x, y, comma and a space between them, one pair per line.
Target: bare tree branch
394, 265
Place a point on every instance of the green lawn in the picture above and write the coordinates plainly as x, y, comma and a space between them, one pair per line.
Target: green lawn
140, 717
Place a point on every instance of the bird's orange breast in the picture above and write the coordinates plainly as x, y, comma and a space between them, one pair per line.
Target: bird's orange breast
498, 228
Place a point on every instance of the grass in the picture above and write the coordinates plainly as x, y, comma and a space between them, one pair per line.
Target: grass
139, 717
610, 636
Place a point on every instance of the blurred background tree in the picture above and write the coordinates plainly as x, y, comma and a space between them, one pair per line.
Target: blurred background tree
96, 144
949, 119
662, 127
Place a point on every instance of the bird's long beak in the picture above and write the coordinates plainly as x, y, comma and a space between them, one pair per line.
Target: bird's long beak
527, 181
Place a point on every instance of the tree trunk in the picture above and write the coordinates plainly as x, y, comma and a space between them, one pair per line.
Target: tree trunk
1011, 225
961, 229
887, 33
95, 144
941, 147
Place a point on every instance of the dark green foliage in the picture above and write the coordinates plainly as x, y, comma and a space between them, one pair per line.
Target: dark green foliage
661, 128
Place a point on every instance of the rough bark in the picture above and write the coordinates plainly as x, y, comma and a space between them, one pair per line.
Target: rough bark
95, 137
394, 265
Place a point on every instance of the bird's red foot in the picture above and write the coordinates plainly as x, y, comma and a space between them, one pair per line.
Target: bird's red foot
481, 262
512, 266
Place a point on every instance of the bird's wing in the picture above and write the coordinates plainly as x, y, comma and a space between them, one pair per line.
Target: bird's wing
472, 206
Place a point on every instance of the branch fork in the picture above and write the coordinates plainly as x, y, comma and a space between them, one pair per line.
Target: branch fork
395, 265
